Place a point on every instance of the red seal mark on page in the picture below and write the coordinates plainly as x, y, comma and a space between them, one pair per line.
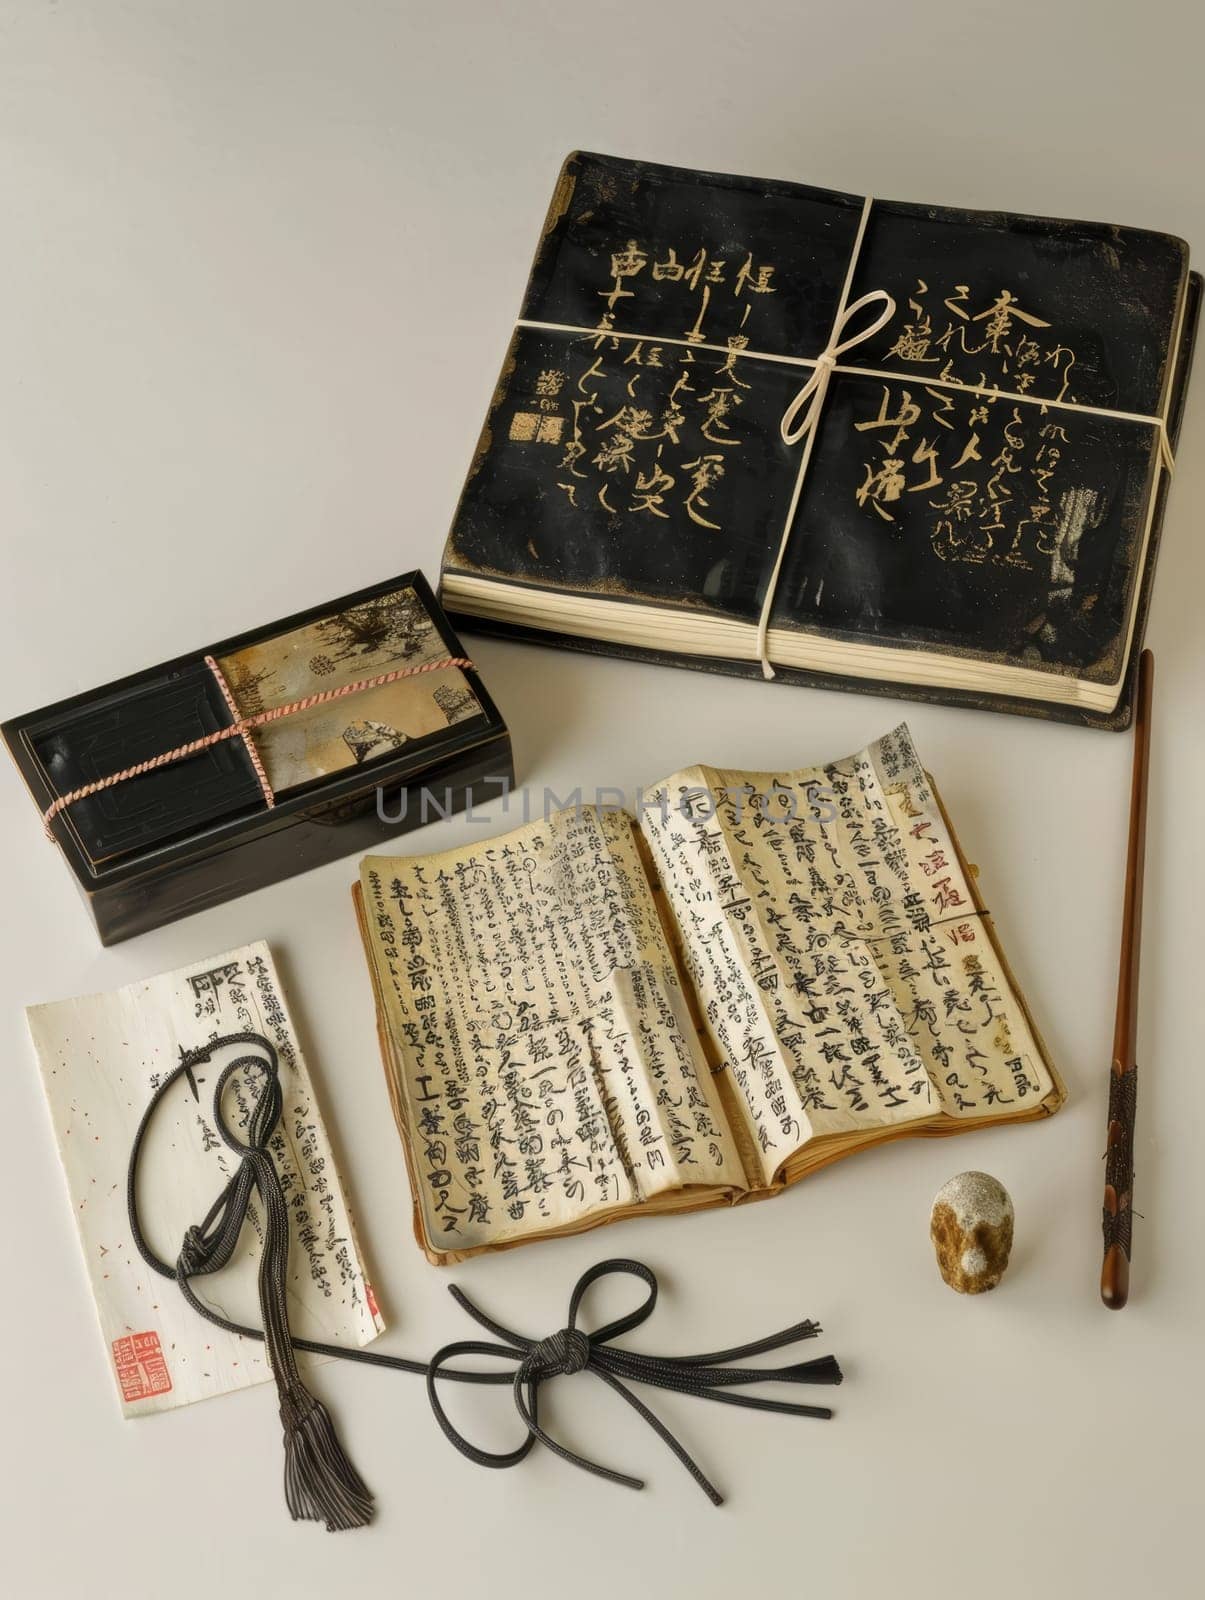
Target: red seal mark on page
141, 1369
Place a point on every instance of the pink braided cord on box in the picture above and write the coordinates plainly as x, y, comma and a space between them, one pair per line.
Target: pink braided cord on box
265, 786
242, 727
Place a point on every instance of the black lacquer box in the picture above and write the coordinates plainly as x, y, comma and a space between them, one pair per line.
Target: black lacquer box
317, 736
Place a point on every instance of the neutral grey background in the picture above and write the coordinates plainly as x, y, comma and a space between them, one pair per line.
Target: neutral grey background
259, 265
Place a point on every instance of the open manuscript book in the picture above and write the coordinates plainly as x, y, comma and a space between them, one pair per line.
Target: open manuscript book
598, 1016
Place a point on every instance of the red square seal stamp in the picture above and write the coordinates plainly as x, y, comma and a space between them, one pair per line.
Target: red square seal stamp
141, 1369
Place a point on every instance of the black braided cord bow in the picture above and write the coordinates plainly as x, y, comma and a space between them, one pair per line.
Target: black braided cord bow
321, 1484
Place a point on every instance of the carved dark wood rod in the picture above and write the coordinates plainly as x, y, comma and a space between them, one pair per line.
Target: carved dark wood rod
1123, 1075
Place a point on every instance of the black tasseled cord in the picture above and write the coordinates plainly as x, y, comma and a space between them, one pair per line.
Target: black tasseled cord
320, 1482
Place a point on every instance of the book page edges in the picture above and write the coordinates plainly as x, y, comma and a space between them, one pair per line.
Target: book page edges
694, 632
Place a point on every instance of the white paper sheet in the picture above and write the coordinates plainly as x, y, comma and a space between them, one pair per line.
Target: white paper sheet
101, 1058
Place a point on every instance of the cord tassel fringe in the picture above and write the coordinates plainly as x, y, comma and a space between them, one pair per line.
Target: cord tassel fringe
321, 1485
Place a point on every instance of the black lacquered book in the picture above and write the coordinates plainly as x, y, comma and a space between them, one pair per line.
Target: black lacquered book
762, 428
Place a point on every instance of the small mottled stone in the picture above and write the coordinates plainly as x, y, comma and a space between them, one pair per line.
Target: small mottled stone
971, 1226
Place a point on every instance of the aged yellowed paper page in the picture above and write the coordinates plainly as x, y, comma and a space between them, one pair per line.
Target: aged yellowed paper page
544, 1059
843, 968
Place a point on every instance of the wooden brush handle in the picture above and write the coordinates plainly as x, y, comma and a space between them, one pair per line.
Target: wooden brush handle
1117, 1216
1119, 1187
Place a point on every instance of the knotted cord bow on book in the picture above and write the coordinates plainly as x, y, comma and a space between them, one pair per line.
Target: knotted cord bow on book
795, 428
242, 728
321, 1484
